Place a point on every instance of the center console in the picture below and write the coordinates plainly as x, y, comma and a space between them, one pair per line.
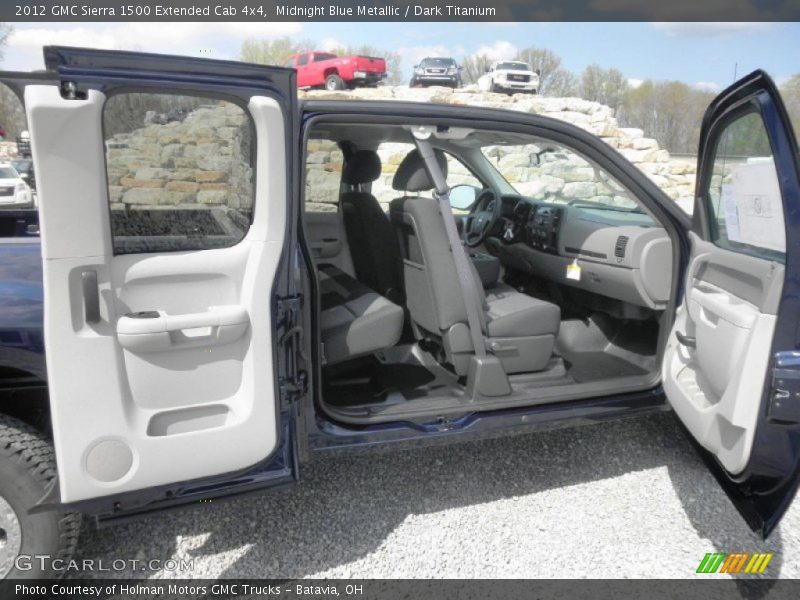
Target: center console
488, 267
543, 226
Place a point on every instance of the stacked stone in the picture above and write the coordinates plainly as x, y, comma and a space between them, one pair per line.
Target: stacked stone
197, 161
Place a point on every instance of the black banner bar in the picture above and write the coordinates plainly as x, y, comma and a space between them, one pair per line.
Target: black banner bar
398, 10
391, 589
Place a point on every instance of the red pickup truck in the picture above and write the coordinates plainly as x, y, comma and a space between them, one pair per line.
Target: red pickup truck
324, 69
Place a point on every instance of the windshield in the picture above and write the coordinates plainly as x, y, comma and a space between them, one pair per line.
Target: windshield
8, 173
514, 66
437, 62
548, 172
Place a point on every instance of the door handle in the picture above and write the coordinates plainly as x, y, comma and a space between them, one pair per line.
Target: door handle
685, 340
91, 297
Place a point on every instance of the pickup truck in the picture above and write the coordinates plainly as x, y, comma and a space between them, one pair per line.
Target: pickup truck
191, 305
325, 69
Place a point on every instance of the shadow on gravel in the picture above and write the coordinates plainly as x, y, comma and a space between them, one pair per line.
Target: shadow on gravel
348, 506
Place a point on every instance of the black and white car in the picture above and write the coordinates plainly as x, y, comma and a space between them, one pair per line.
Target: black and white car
509, 76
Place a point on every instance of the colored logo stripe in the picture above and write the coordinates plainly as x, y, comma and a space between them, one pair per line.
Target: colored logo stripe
722, 562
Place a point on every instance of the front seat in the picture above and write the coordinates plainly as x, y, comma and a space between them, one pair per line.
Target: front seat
519, 329
373, 245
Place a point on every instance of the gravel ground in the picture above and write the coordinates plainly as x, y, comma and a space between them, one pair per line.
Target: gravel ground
626, 499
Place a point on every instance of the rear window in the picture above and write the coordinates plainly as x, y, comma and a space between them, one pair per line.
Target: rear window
8, 173
323, 56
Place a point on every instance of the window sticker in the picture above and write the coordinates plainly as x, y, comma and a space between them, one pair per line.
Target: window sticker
753, 207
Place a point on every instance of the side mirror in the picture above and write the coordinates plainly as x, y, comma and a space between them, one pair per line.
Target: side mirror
487, 69
538, 72
460, 68
416, 66
463, 196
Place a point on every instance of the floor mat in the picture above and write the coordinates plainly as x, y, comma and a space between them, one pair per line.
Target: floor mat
374, 383
594, 366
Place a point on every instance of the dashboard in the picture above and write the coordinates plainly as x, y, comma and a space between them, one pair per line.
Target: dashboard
620, 254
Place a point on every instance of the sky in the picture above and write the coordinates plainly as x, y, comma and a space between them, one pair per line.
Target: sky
705, 55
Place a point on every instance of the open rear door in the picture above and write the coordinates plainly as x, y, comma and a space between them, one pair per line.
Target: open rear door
732, 366
163, 186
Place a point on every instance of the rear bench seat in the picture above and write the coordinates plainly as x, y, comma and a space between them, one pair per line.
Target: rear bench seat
355, 321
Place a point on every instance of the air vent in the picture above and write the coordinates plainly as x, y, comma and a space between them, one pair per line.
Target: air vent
622, 244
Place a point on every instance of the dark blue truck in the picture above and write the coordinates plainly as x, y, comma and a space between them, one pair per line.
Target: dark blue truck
208, 331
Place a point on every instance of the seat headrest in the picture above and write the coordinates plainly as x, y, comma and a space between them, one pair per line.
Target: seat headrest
364, 166
412, 176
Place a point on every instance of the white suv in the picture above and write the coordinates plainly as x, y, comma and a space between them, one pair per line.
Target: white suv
509, 76
14, 192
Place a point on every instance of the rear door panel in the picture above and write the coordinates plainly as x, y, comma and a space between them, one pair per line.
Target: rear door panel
187, 390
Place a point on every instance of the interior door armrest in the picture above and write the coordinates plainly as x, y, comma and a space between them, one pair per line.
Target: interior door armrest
685, 340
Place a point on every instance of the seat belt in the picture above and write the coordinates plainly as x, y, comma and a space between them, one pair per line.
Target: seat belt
441, 193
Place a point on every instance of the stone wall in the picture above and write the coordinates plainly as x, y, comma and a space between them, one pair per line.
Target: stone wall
200, 159
550, 180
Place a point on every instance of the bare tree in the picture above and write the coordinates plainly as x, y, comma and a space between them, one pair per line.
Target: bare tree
554, 80
790, 91
473, 67
272, 52
669, 111
607, 86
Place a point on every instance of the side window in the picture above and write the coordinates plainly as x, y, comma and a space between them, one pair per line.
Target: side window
745, 204
302, 59
289, 64
17, 178
180, 172
459, 174
323, 176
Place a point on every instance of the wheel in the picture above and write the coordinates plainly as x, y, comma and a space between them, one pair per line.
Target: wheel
334, 82
494, 88
27, 466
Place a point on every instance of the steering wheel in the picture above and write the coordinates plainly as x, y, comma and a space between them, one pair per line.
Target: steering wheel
482, 218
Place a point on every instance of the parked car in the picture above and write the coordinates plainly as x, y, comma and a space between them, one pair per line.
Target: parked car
436, 71
24, 144
243, 347
14, 190
24, 166
325, 69
509, 76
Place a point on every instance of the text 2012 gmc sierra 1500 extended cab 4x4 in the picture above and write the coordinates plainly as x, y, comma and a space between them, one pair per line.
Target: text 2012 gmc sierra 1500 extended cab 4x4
191, 303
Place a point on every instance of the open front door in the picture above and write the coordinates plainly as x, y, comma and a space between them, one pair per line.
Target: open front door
163, 187
732, 363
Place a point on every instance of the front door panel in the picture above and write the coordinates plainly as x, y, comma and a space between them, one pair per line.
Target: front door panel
730, 312
729, 362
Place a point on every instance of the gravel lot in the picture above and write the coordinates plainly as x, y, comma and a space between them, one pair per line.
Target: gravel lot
630, 499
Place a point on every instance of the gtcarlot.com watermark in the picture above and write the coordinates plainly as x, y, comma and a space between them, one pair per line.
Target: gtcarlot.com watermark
26, 562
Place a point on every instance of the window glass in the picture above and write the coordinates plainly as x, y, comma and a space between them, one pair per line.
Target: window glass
320, 56
549, 172
289, 64
324, 163
302, 59
180, 172
746, 207
17, 181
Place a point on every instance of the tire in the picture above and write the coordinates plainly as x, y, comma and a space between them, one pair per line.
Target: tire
333, 83
27, 467
494, 89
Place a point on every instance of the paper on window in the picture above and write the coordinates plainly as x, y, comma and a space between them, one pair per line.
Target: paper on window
753, 208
